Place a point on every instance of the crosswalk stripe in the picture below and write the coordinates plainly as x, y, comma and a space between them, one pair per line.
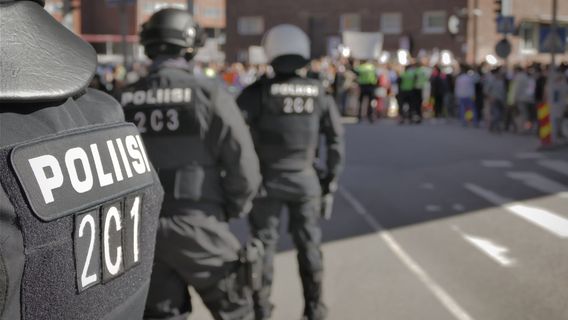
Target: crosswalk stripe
540, 183
529, 156
555, 165
545, 219
496, 163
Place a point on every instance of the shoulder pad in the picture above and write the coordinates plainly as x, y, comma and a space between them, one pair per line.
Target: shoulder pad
42, 61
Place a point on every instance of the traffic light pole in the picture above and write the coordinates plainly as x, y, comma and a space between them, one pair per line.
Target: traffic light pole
553, 28
475, 21
124, 31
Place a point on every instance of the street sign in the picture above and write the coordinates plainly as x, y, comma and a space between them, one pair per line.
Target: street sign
111, 3
364, 45
505, 24
257, 55
503, 48
550, 42
454, 25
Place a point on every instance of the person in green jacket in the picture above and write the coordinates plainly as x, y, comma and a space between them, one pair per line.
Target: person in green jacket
367, 80
419, 84
406, 86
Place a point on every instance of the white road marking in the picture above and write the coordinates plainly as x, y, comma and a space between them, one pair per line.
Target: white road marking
555, 165
530, 156
494, 251
349, 120
427, 186
458, 207
433, 208
447, 301
496, 163
540, 183
547, 220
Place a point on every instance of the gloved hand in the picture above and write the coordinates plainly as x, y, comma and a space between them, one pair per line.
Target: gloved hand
326, 206
328, 187
328, 184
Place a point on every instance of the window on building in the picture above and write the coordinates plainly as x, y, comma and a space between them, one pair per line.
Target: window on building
528, 33
350, 22
434, 22
213, 13
391, 23
250, 26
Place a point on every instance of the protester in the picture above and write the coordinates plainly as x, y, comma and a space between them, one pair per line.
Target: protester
465, 93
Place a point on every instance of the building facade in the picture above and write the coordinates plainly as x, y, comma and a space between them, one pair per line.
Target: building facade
532, 19
415, 25
101, 22
68, 12
412, 24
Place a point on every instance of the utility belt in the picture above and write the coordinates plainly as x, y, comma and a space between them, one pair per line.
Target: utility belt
193, 183
251, 264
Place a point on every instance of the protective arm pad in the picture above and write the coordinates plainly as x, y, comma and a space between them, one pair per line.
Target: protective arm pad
332, 129
250, 102
237, 157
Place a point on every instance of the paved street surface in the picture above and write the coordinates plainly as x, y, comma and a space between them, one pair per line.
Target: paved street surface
440, 222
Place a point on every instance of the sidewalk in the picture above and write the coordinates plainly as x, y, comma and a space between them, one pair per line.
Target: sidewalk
364, 280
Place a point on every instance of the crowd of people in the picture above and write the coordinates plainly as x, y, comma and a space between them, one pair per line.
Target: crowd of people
489, 96
111, 209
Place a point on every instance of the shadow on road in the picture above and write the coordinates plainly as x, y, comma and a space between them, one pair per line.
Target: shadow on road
408, 175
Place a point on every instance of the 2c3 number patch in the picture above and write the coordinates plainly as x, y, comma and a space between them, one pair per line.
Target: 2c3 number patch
107, 241
157, 120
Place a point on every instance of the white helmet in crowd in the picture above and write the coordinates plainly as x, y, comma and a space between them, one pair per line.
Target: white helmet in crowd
287, 48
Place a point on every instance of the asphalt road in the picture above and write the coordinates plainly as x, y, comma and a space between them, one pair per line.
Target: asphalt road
440, 222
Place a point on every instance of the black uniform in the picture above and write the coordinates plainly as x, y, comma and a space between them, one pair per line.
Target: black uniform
199, 142
79, 201
286, 115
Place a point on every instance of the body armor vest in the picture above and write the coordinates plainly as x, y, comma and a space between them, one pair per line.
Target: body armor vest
84, 205
287, 130
174, 118
79, 201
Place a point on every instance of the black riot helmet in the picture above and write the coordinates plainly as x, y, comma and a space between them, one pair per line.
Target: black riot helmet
171, 31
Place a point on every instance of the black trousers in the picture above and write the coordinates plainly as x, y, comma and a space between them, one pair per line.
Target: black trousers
306, 233
439, 106
196, 249
416, 103
368, 91
405, 105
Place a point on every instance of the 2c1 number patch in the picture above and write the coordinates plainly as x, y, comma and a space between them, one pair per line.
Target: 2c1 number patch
298, 105
107, 241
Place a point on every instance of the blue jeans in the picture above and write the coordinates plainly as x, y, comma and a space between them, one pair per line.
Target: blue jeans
467, 103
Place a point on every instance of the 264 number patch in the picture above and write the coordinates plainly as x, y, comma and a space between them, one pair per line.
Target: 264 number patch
298, 105
107, 241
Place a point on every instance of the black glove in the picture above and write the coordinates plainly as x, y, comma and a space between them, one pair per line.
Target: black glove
328, 184
326, 206
328, 187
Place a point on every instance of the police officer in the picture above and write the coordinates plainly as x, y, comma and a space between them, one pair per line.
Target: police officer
79, 200
287, 114
204, 153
